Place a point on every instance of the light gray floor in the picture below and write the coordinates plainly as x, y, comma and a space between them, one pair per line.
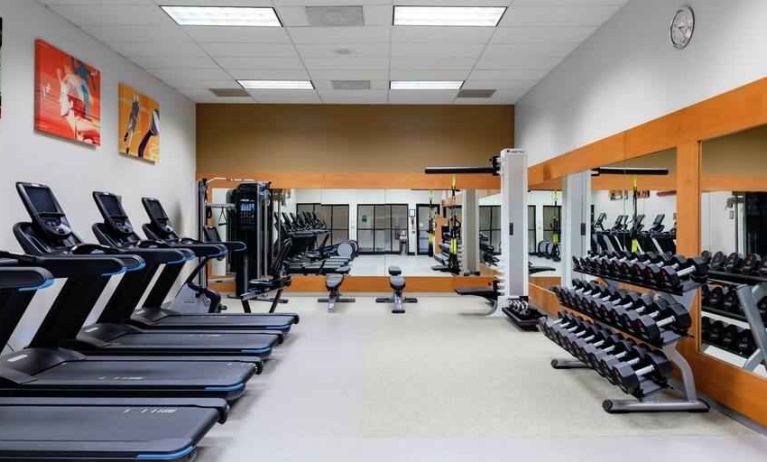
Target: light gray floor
438, 385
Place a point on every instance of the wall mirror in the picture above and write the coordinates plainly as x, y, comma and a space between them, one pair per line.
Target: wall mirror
734, 235
544, 229
418, 230
635, 212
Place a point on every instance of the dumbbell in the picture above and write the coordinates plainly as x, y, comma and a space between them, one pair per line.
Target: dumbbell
670, 313
629, 352
733, 263
626, 267
705, 295
705, 328
706, 256
731, 302
649, 366
577, 342
730, 336
716, 297
565, 320
622, 315
745, 344
693, 268
638, 271
752, 264
611, 349
715, 331
571, 334
717, 261
614, 264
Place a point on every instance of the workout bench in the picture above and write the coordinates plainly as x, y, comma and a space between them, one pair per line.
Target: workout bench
397, 283
333, 283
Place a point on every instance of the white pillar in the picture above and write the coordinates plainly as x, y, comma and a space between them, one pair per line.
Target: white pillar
514, 255
576, 222
470, 232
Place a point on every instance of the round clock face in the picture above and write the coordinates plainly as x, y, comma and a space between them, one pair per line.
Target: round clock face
682, 27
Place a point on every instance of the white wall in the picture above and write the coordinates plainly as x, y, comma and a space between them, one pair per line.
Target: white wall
74, 170
354, 197
717, 221
628, 73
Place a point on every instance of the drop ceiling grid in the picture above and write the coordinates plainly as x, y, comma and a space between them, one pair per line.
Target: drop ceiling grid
533, 37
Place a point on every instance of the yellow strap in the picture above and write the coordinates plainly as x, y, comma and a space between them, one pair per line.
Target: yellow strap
454, 246
634, 245
453, 181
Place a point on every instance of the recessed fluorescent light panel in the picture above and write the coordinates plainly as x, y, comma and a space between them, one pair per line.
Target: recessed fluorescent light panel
478, 16
223, 16
277, 84
426, 85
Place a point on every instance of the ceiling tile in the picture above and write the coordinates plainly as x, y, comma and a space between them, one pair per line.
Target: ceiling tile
339, 34
257, 62
436, 49
343, 49
238, 34
184, 48
524, 34
146, 34
268, 74
206, 84
508, 74
159, 61
442, 35
180, 74
351, 62
349, 74
240, 49
206, 97
354, 96
506, 84
564, 15
429, 74
432, 62
286, 96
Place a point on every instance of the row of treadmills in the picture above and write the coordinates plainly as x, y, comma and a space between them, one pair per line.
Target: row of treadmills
141, 383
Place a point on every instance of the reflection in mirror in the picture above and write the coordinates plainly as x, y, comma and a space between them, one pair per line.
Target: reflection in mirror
635, 212
734, 235
416, 230
544, 228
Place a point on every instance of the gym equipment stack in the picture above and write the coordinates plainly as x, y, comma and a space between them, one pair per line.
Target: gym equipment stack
631, 337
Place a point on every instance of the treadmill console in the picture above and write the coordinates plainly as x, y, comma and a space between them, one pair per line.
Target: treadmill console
44, 209
110, 206
157, 215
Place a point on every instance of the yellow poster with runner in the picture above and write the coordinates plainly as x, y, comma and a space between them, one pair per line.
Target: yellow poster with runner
139, 125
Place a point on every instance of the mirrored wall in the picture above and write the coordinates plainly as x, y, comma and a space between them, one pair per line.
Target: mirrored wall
734, 233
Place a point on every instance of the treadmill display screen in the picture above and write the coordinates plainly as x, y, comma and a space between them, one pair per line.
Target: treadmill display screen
156, 210
112, 206
42, 200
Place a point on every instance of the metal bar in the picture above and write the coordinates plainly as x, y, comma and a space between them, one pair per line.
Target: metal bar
688, 379
459, 170
748, 301
568, 364
629, 171
629, 405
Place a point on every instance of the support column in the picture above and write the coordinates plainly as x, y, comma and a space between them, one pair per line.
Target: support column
576, 221
470, 233
514, 255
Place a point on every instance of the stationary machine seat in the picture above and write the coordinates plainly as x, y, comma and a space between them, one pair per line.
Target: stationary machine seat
334, 281
397, 282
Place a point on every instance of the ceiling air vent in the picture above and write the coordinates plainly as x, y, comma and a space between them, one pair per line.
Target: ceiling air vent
351, 84
476, 93
335, 16
229, 92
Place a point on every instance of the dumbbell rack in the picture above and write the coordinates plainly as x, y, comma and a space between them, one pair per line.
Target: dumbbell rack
516, 313
750, 290
685, 294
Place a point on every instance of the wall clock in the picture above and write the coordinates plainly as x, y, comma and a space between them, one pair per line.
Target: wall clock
682, 27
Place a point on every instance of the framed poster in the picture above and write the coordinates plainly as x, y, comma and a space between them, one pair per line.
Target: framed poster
67, 95
139, 125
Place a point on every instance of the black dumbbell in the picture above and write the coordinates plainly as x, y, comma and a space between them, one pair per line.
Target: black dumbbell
693, 268
731, 302
630, 351
670, 313
651, 365
717, 261
745, 344
705, 295
715, 332
716, 297
752, 264
706, 256
733, 263
730, 336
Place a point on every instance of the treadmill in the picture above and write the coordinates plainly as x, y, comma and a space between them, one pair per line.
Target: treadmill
43, 369
117, 231
49, 428
49, 234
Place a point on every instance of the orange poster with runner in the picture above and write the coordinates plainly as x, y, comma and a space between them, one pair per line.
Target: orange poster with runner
67, 95
139, 125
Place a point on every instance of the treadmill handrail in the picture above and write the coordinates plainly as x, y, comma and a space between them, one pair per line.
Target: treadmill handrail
66, 266
24, 278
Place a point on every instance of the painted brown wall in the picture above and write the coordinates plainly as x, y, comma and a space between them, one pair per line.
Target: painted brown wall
236, 139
